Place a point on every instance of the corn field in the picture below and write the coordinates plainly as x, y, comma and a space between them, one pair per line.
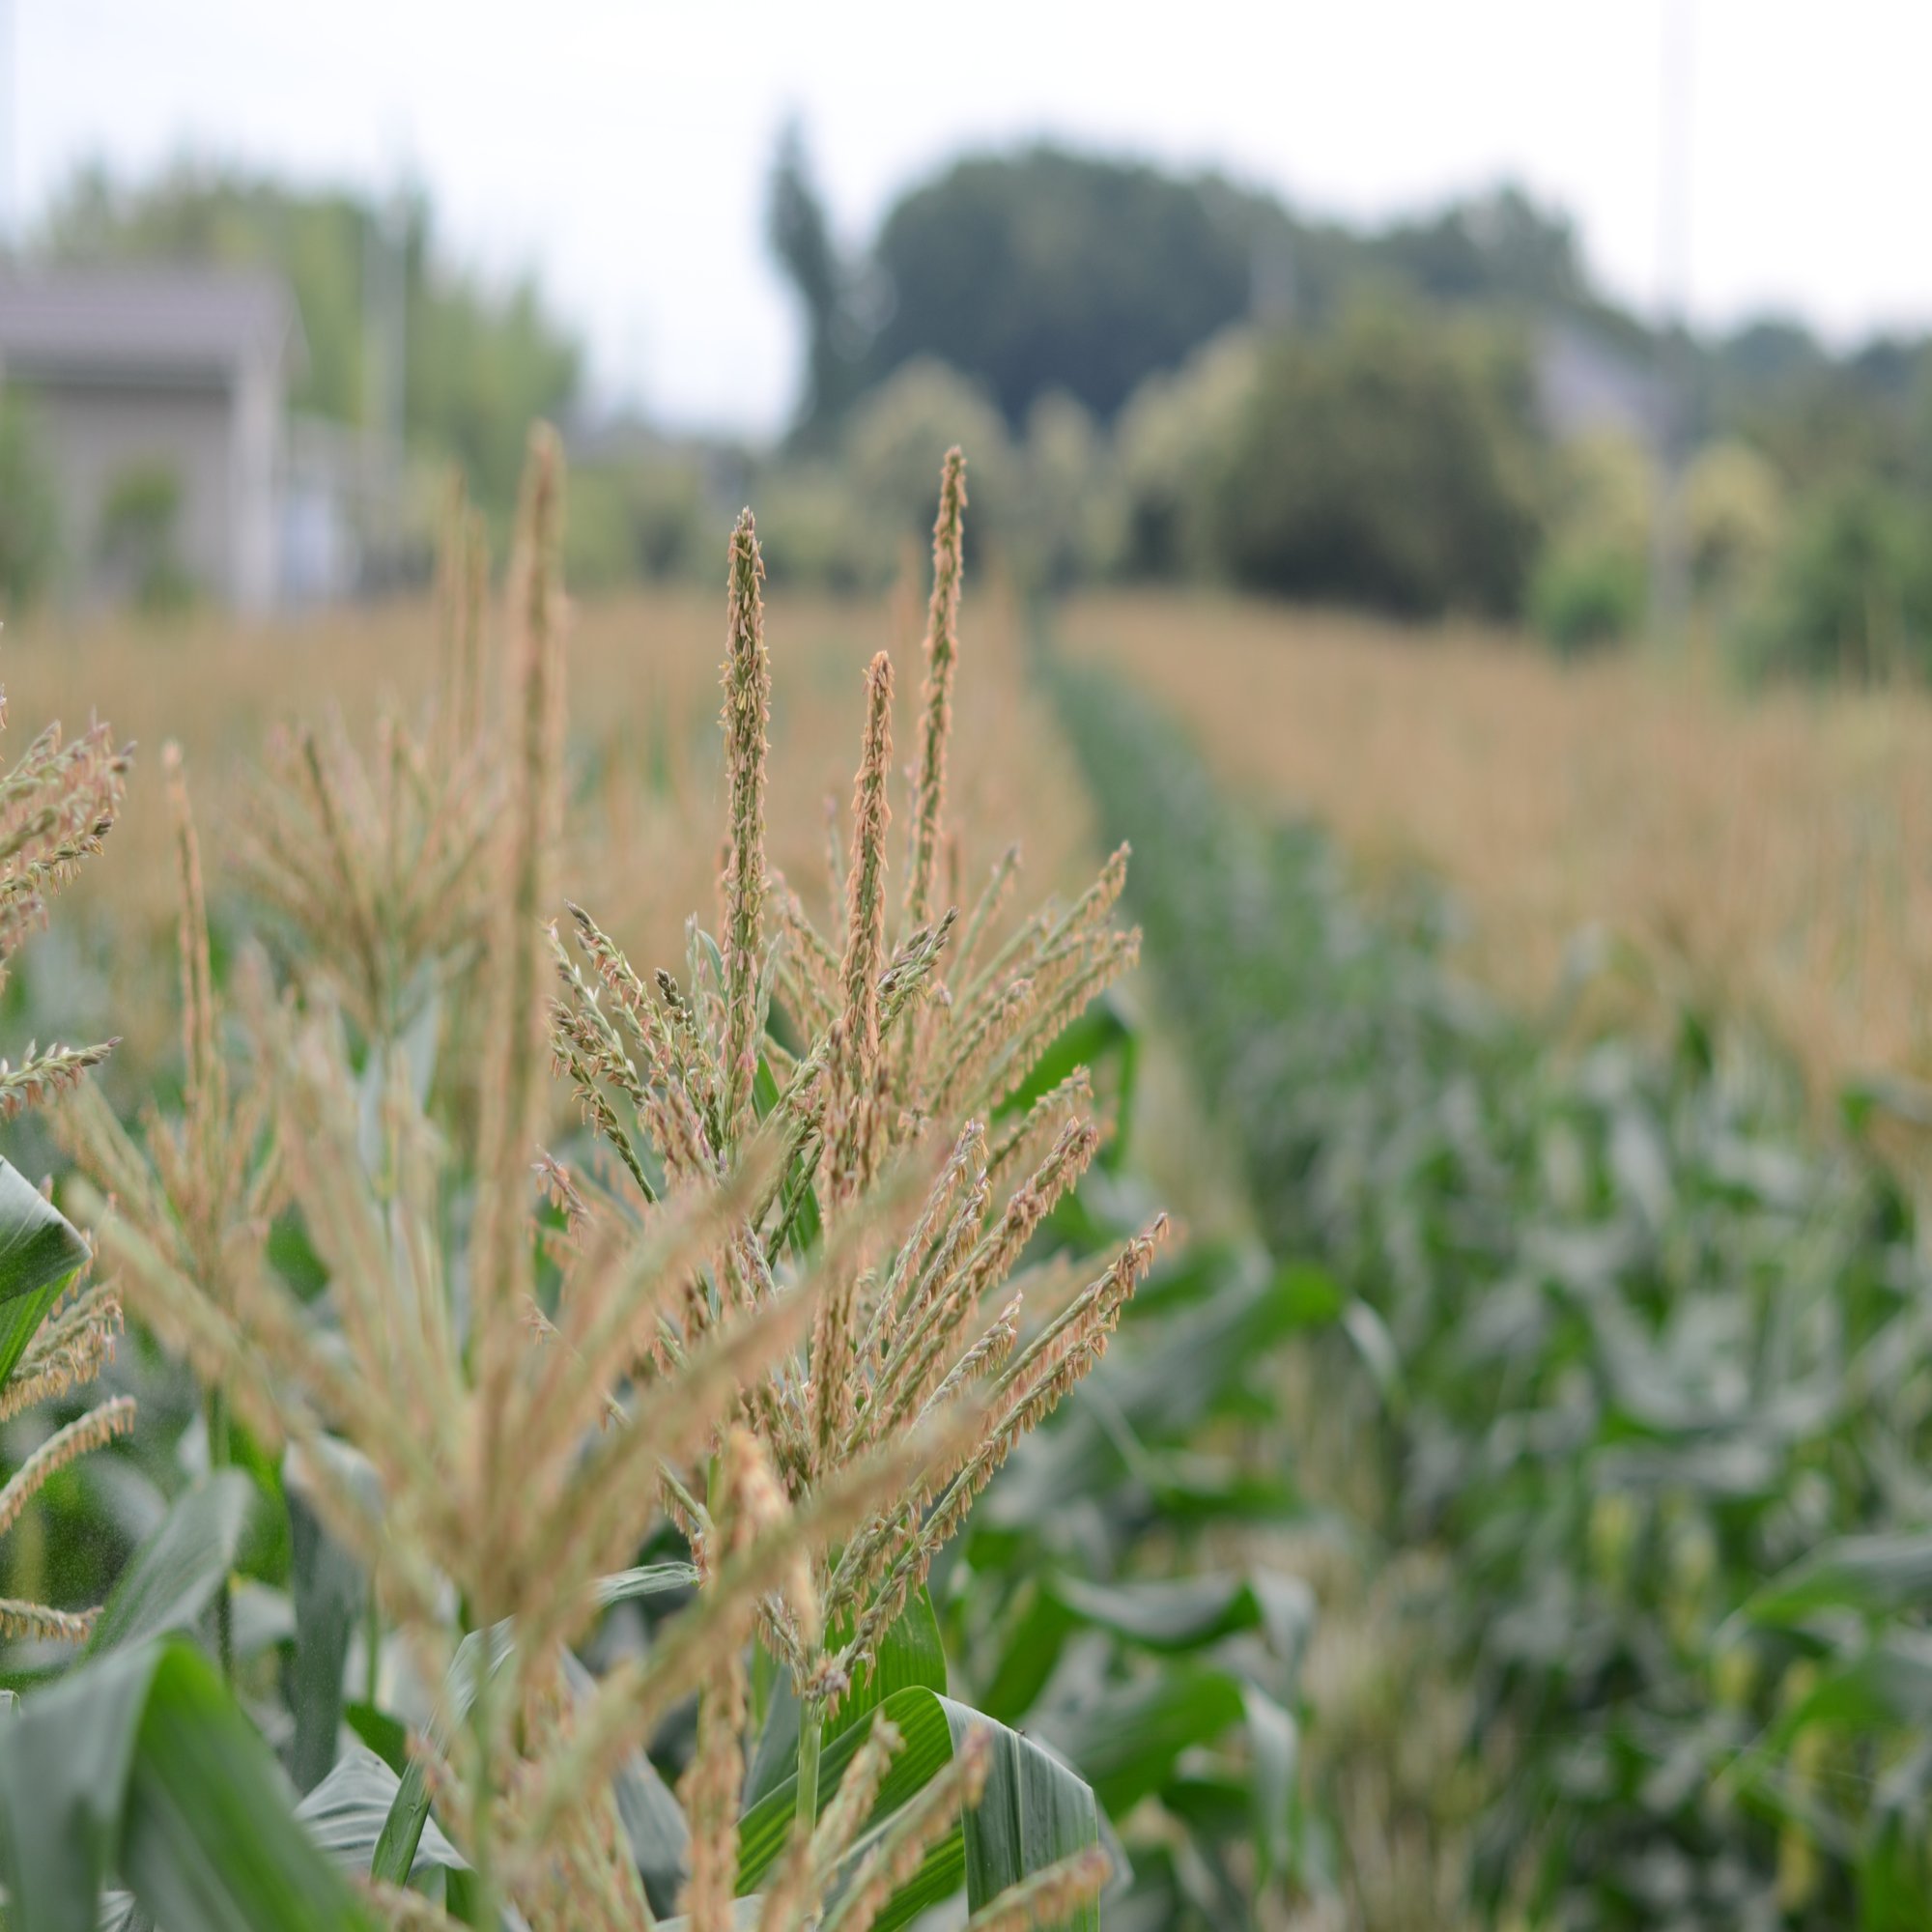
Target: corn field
625, 1337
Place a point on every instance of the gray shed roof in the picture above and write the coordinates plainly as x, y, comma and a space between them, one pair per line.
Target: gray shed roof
154, 324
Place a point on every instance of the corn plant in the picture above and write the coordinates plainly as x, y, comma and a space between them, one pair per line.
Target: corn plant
784, 1310
56, 1328
1637, 1351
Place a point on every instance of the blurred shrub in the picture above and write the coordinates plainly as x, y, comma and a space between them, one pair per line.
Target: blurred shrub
1606, 492
29, 508
897, 435
1060, 520
1585, 594
846, 522
1734, 516
1044, 270
1852, 592
1390, 462
642, 518
1590, 583
597, 535
1170, 436
812, 530
139, 537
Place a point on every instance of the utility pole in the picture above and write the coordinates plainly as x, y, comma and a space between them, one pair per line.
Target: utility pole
1669, 562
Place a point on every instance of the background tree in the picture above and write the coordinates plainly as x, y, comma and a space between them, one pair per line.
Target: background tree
1046, 270
799, 232
1390, 462
480, 361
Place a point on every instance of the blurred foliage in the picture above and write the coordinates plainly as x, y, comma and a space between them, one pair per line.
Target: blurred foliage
1391, 463
1590, 585
30, 533
1851, 595
1734, 514
139, 537
481, 360
800, 236
1170, 437
1640, 1343
642, 514
1049, 270
1043, 269
898, 431
1584, 595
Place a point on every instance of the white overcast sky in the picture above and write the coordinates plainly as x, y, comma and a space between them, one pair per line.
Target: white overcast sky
619, 148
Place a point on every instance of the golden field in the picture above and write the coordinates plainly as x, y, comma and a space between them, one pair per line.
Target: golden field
647, 766
1769, 857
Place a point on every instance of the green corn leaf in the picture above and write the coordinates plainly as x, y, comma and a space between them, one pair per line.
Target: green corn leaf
1274, 1751
388, 1736
1034, 1809
1875, 1576
41, 1250
801, 1225
1100, 1035
652, 1579
402, 1831
346, 1813
397, 1843
1126, 1743
1191, 1613
140, 1763
332, 1593
911, 1654
1176, 1616
174, 1575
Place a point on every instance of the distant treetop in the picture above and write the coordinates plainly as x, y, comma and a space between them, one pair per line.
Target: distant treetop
479, 360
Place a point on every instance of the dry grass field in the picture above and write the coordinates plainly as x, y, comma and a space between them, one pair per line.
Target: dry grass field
1771, 855
647, 764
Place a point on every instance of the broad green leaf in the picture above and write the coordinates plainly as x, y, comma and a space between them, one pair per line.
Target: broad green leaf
20, 1319
174, 1575
1126, 1743
39, 1253
1887, 1687
1034, 1809
409, 1812
1274, 1751
801, 1223
1100, 1035
1191, 1613
388, 1736
911, 1654
1875, 1576
140, 1763
1031, 1650
39, 1248
396, 1845
331, 1596
346, 1813
653, 1580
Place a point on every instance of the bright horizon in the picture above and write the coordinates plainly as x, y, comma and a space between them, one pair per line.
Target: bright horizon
620, 152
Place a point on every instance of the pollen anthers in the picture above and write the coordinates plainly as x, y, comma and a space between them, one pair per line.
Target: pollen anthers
921, 1029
